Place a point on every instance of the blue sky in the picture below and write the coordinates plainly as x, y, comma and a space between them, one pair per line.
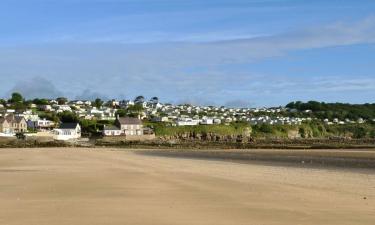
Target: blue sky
223, 52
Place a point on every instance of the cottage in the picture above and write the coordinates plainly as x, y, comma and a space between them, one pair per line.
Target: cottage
130, 126
111, 131
17, 124
5, 127
67, 131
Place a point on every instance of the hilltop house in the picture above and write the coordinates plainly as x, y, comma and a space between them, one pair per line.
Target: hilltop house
67, 131
129, 126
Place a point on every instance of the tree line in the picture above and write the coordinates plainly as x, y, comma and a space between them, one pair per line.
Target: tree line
336, 110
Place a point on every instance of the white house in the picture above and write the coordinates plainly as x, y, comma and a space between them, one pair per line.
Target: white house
129, 126
67, 131
187, 122
45, 107
207, 121
39, 124
112, 131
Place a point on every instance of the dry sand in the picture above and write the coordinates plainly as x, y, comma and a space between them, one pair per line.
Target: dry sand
104, 186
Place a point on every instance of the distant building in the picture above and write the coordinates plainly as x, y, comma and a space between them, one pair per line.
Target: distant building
67, 131
207, 121
187, 122
110, 130
39, 124
18, 124
5, 127
45, 107
129, 125
160, 119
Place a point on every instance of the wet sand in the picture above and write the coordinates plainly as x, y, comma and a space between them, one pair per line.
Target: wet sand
108, 186
313, 158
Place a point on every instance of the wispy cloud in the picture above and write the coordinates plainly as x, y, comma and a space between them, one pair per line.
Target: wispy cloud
164, 69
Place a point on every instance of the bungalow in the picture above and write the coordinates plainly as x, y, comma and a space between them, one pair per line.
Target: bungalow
187, 122
130, 126
111, 131
67, 131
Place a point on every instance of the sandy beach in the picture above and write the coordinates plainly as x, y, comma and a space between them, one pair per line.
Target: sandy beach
65, 186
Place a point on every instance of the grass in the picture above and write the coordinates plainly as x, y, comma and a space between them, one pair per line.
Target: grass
162, 129
305, 130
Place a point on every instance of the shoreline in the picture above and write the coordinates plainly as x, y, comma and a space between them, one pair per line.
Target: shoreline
307, 158
329, 158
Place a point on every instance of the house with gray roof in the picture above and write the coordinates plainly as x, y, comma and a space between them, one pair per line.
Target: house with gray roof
110, 130
129, 125
67, 131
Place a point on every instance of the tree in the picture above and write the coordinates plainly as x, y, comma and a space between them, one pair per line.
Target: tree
61, 100
131, 111
98, 103
121, 113
359, 132
372, 134
68, 117
16, 98
139, 99
19, 107
38, 101
154, 100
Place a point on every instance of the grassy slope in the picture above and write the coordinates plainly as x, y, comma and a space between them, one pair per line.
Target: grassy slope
307, 130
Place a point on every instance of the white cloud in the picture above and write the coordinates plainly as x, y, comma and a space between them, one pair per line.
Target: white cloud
163, 69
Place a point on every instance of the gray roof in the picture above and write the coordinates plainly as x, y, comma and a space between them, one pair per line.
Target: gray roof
111, 127
11, 118
129, 120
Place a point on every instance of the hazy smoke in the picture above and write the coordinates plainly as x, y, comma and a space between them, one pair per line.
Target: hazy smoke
38, 87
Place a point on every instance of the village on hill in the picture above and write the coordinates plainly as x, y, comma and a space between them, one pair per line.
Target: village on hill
65, 120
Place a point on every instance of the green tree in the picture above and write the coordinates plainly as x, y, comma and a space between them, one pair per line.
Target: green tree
372, 134
264, 128
134, 110
68, 117
98, 103
42, 101
121, 113
61, 100
16, 98
359, 132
